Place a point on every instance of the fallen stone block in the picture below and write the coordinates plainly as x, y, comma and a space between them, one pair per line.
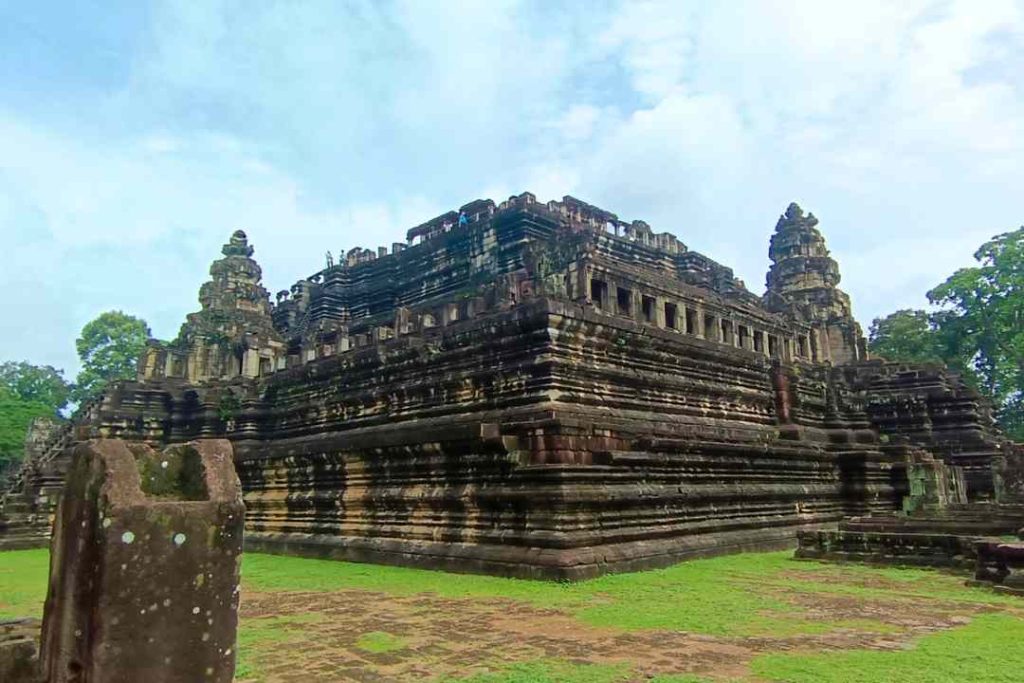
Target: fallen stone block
1001, 564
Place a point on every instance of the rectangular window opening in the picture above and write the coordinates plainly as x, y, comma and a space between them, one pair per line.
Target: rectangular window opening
670, 315
727, 332
599, 293
711, 330
624, 301
647, 303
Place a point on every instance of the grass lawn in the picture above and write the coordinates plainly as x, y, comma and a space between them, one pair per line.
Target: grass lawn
758, 617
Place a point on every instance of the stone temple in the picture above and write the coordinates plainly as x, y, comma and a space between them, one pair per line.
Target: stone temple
542, 390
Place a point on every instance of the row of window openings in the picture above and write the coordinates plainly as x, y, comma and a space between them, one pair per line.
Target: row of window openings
648, 304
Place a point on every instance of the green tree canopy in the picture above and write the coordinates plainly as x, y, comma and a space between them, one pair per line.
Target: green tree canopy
976, 329
26, 392
16, 414
982, 309
35, 383
109, 348
906, 335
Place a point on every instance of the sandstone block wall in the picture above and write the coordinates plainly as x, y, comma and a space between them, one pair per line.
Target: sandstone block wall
545, 440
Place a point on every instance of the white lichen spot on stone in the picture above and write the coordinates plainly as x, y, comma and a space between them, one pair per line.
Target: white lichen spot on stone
227, 652
164, 464
127, 537
78, 633
106, 522
179, 538
167, 602
195, 610
206, 637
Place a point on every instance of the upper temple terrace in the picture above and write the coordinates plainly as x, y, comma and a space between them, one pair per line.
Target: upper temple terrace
466, 262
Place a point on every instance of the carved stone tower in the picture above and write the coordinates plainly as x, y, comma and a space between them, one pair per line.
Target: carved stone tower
803, 281
233, 335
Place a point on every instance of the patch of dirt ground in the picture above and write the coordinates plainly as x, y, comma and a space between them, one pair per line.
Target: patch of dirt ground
444, 638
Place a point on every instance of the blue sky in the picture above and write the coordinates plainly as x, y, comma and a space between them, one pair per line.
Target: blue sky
135, 137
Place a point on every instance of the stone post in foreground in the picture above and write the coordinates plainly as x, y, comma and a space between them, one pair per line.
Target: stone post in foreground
144, 566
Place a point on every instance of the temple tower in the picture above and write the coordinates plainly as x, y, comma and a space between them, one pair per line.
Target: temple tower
803, 281
233, 334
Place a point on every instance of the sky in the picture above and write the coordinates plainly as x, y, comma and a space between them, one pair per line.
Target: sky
135, 137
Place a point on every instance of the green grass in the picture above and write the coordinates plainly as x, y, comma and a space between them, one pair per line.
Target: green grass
379, 642
551, 671
23, 576
560, 671
990, 648
910, 583
735, 596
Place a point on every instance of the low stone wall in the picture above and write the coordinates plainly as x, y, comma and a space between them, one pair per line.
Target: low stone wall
985, 520
910, 549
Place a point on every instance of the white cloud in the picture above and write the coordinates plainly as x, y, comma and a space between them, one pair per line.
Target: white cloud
136, 229
316, 126
655, 40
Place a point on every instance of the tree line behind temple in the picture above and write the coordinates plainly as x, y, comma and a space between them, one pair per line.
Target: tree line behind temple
108, 348
975, 327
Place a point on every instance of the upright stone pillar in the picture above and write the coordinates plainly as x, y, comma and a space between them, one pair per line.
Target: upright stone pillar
144, 566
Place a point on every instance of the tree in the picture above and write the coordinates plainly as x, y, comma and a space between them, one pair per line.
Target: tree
906, 335
35, 383
977, 328
16, 414
916, 336
109, 348
982, 312
26, 392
